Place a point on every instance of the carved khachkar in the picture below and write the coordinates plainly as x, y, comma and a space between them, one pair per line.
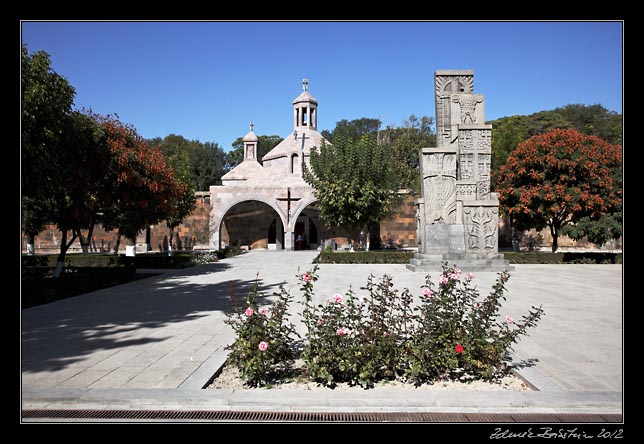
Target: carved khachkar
458, 213
481, 226
439, 181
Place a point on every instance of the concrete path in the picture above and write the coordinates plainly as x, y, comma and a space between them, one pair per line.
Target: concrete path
155, 342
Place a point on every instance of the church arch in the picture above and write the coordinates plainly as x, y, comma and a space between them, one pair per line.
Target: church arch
248, 222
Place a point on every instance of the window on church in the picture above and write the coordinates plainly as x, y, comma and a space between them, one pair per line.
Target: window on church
304, 117
295, 164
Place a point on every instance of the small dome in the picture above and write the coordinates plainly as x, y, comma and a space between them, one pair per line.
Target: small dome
250, 137
304, 97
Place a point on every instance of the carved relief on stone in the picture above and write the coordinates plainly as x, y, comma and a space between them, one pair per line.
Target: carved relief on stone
445, 86
481, 228
485, 141
466, 166
466, 191
439, 185
467, 109
483, 176
466, 141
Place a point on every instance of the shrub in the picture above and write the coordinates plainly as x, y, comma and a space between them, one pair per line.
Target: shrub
450, 333
263, 350
535, 257
365, 257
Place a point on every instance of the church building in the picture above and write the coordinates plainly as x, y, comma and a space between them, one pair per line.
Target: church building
269, 205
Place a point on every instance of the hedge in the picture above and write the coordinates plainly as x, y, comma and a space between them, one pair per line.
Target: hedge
365, 257
73, 282
148, 260
536, 257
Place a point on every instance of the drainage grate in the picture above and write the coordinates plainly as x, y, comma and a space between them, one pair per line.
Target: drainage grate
229, 415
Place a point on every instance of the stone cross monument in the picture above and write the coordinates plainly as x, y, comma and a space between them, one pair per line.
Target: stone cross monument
457, 214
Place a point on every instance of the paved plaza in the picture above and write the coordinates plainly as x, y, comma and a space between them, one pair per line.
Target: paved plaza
154, 343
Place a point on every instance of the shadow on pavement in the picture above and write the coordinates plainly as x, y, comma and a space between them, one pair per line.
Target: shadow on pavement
59, 334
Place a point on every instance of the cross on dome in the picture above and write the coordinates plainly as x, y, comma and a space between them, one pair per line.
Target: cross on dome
305, 84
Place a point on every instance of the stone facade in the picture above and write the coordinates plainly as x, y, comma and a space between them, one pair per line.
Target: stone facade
458, 215
286, 213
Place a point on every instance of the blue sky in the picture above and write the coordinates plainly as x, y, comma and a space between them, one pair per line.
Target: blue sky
207, 80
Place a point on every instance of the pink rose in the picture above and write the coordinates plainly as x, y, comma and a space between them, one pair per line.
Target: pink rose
263, 346
427, 292
509, 319
444, 280
249, 312
457, 271
306, 277
320, 321
453, 276
337, 298
343, 331
470, 276
262, 311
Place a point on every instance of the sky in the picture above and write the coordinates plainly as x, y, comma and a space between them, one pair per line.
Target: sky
208, 80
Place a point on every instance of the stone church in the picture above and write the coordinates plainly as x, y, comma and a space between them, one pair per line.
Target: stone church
269, 205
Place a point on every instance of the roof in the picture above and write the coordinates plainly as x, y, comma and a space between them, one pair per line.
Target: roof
249, 168
290, 145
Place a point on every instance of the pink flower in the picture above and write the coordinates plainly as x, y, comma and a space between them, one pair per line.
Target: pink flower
320, 321
262, 311
343, 331
454, 276
444, 280
504, 277
509, 319
457, 271
249, 312
306, 277
385, 334
427, 292
459, 349
470, 276
337, 298
263, 346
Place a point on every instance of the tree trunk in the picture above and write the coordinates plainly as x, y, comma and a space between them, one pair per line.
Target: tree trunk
64, 246
31, 240
555, 238
118, 244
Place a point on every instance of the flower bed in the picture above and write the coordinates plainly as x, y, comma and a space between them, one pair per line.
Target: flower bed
446, 332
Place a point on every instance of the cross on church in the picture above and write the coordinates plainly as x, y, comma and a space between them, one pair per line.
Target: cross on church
305, 84
252, 125
303, 138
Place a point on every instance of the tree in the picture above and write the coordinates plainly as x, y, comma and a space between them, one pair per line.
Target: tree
592, 120
46, 102
558, 178
598, 231
264, 145
207, 161
144, 189
353, 182
404, 143
185, 202
353, 130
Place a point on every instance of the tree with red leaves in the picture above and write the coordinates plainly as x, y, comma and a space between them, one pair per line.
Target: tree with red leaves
143, 188
558, 178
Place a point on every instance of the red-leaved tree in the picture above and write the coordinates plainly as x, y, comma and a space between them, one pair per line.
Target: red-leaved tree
143, 190
557, 178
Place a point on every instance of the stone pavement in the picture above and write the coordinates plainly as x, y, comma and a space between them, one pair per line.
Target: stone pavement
154, 343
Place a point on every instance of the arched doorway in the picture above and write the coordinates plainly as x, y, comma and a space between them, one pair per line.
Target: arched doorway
252, 224
308, 228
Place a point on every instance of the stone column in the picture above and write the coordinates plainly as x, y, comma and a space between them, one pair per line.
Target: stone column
289, 240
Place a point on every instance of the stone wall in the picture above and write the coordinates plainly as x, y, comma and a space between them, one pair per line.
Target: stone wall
400, 230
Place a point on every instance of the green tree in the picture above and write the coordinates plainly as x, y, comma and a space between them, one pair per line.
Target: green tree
597, 230
354, 182
404, 143
207, 161
185, 201
559, 178
264, 144
46, 104
353, 130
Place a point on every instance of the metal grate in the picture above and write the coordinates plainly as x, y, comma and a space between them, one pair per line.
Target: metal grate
230, 415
